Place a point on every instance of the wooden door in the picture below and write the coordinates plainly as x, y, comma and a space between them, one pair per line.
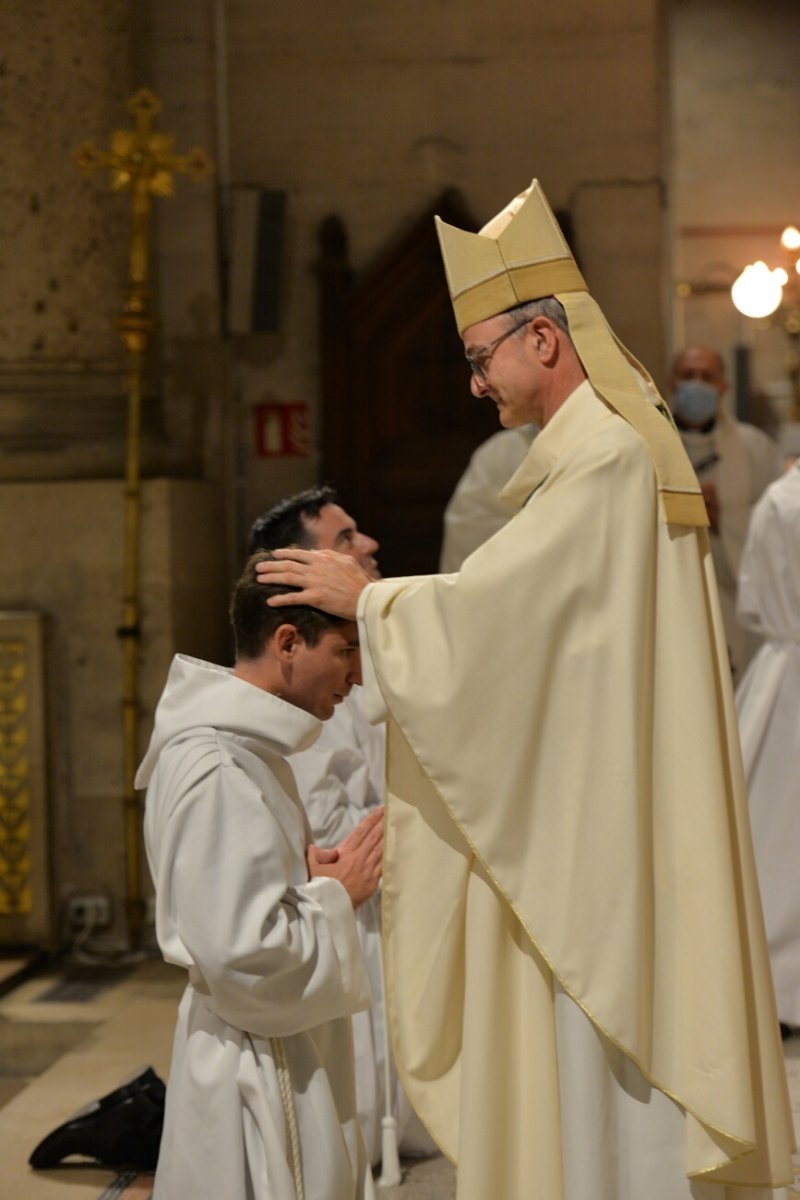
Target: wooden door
399, 420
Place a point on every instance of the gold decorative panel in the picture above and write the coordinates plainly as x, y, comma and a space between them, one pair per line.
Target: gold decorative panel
15, 771
24, 876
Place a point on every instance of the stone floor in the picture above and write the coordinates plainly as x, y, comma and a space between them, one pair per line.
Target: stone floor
62, 1047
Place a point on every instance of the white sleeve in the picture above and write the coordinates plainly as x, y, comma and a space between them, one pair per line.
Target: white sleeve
277, 952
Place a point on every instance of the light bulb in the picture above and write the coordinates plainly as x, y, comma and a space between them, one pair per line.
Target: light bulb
758, 291
790, 238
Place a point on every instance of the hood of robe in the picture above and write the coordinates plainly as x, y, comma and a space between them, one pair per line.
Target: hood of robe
199, 694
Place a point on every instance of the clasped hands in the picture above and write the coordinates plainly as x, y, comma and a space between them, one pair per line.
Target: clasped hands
356, 862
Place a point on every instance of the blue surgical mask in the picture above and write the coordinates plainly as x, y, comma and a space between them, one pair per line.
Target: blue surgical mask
696, 402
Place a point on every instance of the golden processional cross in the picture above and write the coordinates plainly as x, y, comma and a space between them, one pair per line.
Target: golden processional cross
143, 163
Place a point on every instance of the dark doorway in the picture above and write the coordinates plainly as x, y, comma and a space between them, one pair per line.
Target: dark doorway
399, 421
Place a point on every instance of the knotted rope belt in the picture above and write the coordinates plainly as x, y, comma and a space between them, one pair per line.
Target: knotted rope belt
290, 1114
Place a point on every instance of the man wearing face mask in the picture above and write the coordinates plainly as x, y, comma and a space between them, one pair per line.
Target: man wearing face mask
734, 463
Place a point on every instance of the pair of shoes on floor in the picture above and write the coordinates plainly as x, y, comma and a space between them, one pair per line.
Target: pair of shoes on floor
122, 1129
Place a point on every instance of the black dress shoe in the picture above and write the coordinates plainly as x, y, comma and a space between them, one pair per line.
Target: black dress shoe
123, 1129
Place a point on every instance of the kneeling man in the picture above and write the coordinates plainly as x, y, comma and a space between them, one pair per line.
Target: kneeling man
261, 1099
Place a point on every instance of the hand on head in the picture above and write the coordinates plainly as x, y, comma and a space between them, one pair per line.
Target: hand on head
326, 579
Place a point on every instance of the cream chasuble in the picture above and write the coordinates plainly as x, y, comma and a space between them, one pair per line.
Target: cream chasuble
567, 818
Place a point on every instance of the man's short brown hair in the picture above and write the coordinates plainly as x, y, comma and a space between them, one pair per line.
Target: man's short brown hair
254, 621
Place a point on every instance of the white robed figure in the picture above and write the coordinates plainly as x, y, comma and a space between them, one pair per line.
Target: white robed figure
261, 1094
736, 462
475, 511
768, 706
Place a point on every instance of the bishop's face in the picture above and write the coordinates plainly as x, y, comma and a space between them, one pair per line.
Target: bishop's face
505, 368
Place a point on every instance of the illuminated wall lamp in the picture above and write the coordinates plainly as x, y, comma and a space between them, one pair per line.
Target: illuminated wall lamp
758, 291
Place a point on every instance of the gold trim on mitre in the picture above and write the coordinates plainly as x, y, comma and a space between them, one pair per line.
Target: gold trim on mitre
521, 255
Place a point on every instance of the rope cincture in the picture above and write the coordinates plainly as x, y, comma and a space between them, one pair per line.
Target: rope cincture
290, 1114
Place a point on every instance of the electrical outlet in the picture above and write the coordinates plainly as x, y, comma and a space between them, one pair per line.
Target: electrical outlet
89, 912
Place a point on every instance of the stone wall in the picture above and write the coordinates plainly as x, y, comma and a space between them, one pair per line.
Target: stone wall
67, 75
70, 70
370, 111
60, 546
364, 110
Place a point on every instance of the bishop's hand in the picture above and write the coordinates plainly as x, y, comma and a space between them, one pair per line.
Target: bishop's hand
326, 579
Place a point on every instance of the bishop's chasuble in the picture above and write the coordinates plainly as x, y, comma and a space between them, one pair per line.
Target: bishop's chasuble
576, 965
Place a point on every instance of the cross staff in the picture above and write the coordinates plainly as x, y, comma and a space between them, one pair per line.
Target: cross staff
142, 162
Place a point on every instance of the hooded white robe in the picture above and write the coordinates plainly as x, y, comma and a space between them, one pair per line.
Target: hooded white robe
340, 778
579, 992
768, 705
274, 963
741, 461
